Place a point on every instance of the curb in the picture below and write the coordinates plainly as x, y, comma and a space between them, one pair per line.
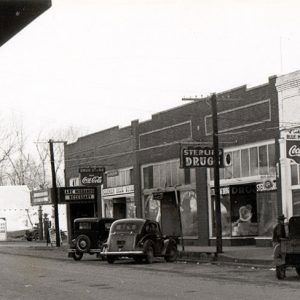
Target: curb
213, 257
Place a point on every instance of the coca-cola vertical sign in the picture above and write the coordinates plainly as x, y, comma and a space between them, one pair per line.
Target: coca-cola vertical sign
293, 150
91, 176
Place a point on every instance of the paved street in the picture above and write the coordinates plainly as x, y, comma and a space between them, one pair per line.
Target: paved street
29, 277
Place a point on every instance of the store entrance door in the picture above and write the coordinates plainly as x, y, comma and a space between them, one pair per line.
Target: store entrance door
170, 223
119, 208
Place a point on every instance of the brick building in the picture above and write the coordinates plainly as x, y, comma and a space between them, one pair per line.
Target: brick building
144, 178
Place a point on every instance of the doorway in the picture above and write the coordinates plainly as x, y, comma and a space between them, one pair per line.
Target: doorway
81, 210
170, 222
119, 208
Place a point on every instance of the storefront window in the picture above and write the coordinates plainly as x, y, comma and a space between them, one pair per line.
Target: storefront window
253, 161
152, 208
189, 213
246, 212
228, 171
236, 163
148, 177
108, 208
263, 160
131, 208
267, 212
225, 215
296, 203
245, 162
294, 173
272, 159
124, 177
243, 209
167, 174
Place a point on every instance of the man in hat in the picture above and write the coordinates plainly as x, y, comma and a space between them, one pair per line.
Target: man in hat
279, 231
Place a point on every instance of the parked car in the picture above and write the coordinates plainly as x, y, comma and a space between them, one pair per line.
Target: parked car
89, 236
287, 251
32, 234
139, 239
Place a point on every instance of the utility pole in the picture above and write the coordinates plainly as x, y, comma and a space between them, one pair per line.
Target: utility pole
55, 200
216, 173
216, 156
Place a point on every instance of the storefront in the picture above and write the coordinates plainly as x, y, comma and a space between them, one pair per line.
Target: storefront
248, 193
118, 196
164, 186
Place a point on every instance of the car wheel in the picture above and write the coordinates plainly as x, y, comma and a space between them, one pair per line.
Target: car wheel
138, 259
83, 243
110, 259
298, 270
77, 255
149, 252
280, 272
171, 254
29, 239
36, 236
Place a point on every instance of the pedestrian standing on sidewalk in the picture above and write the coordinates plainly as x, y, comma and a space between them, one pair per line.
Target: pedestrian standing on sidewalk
279, 231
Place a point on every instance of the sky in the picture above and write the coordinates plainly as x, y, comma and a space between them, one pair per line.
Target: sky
95, 64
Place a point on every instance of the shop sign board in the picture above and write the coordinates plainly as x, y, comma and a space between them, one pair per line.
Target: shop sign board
293, 150
41, 197
126, 189
112, 173
77, 194
193, 156
91, 176
3, 229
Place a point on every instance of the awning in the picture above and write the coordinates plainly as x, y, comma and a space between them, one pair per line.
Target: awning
16, 14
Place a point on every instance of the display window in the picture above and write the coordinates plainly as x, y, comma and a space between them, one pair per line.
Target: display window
188, 210
243, 208
108, 208
225, 215
131, 208
245, 212
267, 212
152, 208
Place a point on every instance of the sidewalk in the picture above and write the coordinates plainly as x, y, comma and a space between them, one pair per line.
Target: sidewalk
235, 254
250, 255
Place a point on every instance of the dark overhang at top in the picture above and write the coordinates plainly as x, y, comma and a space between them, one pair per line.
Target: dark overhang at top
16, 14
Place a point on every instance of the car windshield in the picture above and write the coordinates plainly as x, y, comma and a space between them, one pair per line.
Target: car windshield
127, 227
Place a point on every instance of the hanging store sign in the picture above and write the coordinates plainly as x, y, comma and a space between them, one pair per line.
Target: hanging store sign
293, 150
192, 156
41, 197
91, 176
77, 194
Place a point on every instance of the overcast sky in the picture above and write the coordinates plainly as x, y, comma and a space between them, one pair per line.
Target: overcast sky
100, 63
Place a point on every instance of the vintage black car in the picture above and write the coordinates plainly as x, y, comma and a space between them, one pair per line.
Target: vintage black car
139, 239
89, 236
287, 251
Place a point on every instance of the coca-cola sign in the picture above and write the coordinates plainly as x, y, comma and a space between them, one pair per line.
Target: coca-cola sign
91, 176
293, 150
